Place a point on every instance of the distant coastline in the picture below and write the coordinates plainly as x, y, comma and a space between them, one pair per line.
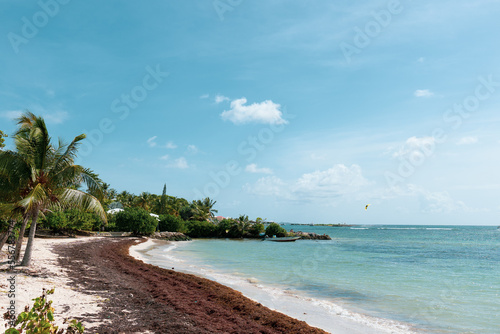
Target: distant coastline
331, 225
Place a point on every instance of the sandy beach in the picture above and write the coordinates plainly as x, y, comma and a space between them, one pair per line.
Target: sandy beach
46, 272
100, 284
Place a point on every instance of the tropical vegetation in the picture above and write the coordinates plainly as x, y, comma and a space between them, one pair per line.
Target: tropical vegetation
40, 184
40, 319
2, 141
39, 177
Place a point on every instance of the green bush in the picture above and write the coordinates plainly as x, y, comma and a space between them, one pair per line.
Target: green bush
137, 221
256, 229
72, 220
223, 227
186, 212
4, 225
111, 226
55, 221
275, 229
200, 229
171, 223
81, 220
40, 319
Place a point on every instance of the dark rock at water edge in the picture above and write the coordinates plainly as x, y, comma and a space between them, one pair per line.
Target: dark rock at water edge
310, 235
171, 236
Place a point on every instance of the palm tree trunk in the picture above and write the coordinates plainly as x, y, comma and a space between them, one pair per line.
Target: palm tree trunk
29, 247
19, 243
7, 233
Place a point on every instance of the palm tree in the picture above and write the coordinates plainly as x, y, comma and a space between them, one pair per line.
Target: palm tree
143, 200
204, 209
40, 177
2, 145
125, 198
243, 224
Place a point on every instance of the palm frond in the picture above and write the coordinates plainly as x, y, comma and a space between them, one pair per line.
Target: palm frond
82, 200
14, 171
35, 200
63, 159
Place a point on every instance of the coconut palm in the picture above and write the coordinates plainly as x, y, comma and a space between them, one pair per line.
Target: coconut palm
2, 145
39, 177
125, 198
143, 201
203, 209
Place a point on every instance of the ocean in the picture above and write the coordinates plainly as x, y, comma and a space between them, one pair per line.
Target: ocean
400, 279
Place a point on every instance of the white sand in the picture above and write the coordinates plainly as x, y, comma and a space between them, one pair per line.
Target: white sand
44, 272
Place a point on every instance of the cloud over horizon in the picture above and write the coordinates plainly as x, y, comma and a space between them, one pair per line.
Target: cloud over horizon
423, 93
266, 112
334, 182
252, 168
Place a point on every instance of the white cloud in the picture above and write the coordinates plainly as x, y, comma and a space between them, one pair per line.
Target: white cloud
421, 59
11, 114
164, 157
269, 186
170, 145
416, 148
439, 202
221, 98
252, 168
429, 201
180, 163
151, 141
204, 96
56, 117
423, 93
467, 140
337, 181
192, 149
266, 112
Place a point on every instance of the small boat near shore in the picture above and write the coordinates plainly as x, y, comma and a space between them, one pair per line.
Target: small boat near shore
281, 239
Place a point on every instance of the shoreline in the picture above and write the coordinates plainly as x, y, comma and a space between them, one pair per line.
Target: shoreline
328, 316
131, 296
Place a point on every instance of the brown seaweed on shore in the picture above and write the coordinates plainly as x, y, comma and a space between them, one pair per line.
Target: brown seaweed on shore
142, 298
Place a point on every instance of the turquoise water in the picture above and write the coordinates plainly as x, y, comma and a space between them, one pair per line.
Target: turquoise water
441, 279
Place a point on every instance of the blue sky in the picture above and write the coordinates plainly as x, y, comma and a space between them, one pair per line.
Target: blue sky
299, 111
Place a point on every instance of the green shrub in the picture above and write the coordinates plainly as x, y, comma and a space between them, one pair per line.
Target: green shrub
186, 212
4, 225
81, 220
223, 227
200, 229
275, 229
137, 221
111, 226
55, 221
72, 220
171, 223
40, 319
256, 229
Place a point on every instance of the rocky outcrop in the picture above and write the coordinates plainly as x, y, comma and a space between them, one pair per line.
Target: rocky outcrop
171, 236
310, 235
